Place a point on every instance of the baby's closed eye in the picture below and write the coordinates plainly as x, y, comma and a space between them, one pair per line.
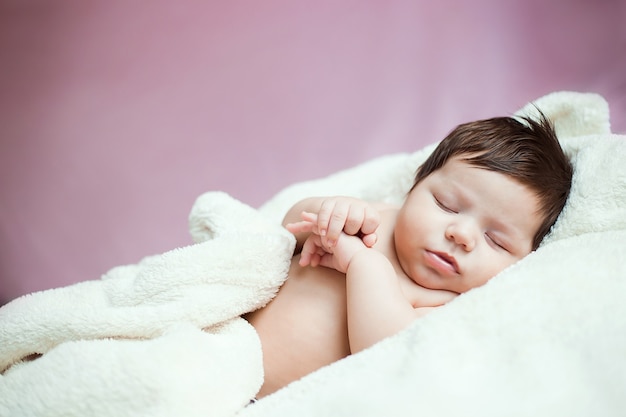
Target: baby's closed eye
444, 205
495, 241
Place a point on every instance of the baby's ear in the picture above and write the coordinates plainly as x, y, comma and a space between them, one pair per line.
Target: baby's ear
573, 114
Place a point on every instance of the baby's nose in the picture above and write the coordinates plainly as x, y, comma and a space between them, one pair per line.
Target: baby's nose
463, 234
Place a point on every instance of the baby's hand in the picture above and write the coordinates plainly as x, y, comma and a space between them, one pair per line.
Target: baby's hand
352, 216
315, 252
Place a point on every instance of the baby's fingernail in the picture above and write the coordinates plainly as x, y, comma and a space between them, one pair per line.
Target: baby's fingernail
322, 232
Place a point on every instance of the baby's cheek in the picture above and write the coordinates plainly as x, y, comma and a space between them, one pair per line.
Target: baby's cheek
498, 266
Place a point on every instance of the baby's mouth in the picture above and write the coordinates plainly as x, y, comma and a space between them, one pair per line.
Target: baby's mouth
446, 260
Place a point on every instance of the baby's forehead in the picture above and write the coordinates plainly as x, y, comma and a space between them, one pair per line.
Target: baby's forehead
464, 163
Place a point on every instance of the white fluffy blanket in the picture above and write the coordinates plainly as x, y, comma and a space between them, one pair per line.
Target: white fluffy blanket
160, 338
547, 337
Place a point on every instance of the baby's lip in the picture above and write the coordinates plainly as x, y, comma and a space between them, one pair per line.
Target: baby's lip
449, 259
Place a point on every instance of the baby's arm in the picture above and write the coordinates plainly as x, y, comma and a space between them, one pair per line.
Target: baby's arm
334, 215
377, 307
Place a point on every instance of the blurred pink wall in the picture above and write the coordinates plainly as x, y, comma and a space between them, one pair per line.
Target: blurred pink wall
115, 115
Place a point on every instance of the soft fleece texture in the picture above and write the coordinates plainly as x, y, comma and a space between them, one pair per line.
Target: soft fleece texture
545, 337
160, 338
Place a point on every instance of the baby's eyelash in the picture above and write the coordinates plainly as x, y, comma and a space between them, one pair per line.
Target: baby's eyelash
440, 204
495, 242
443, 206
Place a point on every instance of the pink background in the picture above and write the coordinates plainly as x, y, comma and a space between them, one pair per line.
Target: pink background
115, 115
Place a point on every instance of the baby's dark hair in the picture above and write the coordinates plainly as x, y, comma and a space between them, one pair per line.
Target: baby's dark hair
524, 149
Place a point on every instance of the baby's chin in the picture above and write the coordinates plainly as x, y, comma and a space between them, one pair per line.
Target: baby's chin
430, 284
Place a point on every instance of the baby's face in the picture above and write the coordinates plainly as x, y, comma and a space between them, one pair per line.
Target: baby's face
462, 225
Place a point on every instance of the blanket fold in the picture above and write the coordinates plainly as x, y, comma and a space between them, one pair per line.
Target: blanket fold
236, 268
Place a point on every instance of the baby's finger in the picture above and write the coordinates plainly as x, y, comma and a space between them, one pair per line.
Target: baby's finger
354, 221
312, 251
371, 221
323, 216
315, 259
309, 217
369, 240
305, 258
337, 222
308, 250
300, 227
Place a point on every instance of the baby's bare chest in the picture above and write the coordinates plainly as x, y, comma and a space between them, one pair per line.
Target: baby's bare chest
304, 327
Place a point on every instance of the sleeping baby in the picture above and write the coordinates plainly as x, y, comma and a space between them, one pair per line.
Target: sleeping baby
363, 271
